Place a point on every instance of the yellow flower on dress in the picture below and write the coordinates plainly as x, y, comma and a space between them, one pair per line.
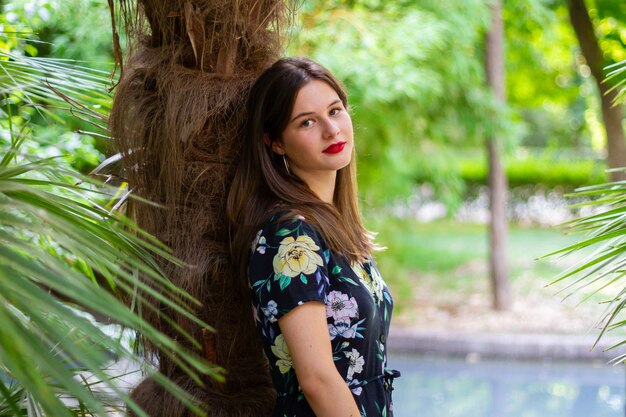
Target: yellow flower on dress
373, 283
297, 256
281, 351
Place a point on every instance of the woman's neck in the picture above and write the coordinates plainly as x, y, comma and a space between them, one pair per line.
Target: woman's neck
322, 185
326, 195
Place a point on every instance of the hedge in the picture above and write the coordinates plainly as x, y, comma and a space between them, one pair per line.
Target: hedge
548, 172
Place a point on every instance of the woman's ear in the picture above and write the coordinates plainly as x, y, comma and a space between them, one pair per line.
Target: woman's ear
275, 146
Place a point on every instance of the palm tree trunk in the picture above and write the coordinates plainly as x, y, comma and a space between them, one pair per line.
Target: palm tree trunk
612, 113
494, 64
178, 112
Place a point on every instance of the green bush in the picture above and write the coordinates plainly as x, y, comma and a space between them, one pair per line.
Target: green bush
549, 172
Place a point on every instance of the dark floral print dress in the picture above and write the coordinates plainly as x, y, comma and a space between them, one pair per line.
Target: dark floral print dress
290, 264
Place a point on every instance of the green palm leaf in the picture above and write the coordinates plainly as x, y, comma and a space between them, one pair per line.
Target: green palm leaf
40, 80
38, 284
617, 73
605, 268
11, 404
66, 255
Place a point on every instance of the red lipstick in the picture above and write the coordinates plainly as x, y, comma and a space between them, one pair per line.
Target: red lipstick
335, 147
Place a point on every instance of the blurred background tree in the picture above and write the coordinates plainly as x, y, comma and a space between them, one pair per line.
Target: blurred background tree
596, 60
417, 85
497, 182
416, 80
415, 73
418, 97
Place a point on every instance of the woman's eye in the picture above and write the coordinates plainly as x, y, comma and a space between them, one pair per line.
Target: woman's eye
306, 123
335, 111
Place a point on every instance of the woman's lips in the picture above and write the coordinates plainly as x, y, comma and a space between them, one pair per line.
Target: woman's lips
335, 147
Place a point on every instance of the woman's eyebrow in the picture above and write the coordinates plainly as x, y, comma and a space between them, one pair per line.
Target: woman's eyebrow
301, 114
310, 112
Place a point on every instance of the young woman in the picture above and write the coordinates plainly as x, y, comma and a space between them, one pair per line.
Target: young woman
321, 307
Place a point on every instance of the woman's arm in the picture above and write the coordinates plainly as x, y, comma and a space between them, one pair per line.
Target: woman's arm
306, 332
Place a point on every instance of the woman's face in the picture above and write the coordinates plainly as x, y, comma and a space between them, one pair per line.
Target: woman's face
318, 139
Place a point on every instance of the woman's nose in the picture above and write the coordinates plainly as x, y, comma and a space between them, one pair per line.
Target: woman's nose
331, 130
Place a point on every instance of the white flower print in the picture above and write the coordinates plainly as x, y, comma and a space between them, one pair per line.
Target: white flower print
340, 307
342, 328
356, 363
262, 246
270, 311
355, 387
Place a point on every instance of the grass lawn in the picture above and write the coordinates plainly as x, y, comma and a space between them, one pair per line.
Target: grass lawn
446, 264
441, 248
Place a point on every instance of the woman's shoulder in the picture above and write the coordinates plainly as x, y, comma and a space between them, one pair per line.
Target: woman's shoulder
289, 223
284, 220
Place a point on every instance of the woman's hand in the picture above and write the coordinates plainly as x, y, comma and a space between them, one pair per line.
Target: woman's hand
306, 332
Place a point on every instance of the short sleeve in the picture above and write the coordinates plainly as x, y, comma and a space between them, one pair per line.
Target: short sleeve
288, 267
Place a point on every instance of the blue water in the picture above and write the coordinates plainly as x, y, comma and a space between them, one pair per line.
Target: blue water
444, 387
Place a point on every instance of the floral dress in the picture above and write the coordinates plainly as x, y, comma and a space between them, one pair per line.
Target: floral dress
290, 264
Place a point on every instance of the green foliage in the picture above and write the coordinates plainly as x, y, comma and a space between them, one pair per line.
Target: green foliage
544, 170
72, 29
539, 54
33, 88
415, 75
617, 74
44, 292
66, 252
605, 230
15, 35
434, 166
54, 28
11, 400
544, 85
603, 270
609, 21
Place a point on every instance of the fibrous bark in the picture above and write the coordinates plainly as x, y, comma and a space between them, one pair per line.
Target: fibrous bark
177, 117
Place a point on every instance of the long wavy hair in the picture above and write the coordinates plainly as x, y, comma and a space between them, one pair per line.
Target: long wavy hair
263, 186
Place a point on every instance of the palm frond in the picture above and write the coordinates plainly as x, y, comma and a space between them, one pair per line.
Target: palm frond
37, 283
67, 253
604, 269
617, 71
49, 83
11, 398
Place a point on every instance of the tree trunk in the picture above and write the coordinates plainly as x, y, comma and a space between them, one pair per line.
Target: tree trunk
177, 120
612, 115
494, 64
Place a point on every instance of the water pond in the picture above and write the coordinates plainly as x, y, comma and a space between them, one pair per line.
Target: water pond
433, 386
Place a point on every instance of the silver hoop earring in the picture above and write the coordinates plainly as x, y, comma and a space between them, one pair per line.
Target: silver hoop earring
286, 164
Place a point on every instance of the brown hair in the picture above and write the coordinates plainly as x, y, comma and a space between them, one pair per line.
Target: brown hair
263, 186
